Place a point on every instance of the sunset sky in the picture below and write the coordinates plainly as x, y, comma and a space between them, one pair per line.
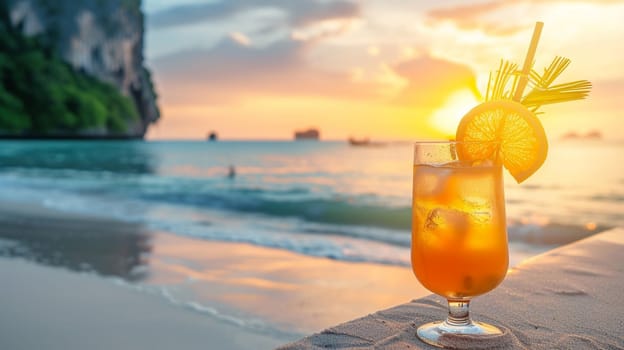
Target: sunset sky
384, 69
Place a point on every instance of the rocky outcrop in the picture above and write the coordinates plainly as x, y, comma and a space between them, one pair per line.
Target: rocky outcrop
103, 38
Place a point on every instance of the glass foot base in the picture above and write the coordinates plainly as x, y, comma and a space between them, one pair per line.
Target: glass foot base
441, 334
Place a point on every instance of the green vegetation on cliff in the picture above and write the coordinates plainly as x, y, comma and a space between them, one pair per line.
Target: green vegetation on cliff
40, 95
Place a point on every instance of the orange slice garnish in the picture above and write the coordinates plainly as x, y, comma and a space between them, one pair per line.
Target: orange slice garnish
504, 131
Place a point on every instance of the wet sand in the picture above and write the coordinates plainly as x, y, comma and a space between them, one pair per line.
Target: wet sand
76, 282
50, 308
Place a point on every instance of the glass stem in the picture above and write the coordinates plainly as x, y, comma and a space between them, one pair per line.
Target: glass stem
459, 314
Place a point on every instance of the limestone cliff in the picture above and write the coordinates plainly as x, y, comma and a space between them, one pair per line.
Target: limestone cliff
103, 38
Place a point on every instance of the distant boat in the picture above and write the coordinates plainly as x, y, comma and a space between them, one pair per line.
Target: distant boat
212, 136
310, 134
365, 142
591, 135
571, 135
359, 142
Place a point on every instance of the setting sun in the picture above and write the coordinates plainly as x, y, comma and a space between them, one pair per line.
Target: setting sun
446, 118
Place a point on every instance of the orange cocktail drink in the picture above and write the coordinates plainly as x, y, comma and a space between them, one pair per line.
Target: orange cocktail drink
459, 240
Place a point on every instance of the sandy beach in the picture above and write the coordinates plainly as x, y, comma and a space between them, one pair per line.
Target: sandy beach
51, 308
84, 282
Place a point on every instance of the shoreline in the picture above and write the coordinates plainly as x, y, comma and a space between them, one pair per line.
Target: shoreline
254, 292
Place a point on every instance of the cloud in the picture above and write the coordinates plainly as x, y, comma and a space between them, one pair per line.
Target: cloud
478, 17
466, 11
238, 67
431, 81
308, 12
240, 38
498, 18
581, 1
298, 13
230, 71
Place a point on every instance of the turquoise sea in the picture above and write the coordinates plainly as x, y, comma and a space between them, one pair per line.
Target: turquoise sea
326, 199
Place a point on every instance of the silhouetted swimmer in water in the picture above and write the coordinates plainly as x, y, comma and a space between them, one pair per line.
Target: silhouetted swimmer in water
231, 172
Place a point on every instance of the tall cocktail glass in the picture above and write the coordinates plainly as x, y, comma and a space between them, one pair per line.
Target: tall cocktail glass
459, 237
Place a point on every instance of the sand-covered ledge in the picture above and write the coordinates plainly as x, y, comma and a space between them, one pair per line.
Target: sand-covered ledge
567, 298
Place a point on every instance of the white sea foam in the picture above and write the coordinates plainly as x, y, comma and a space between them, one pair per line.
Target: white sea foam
180, 297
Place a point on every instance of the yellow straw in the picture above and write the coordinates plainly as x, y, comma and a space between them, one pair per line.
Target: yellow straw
528, 62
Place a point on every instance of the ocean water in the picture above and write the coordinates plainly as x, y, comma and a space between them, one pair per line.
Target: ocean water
326, 199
